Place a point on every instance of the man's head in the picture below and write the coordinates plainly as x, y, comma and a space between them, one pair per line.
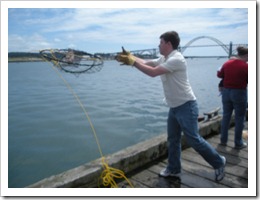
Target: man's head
242, 52
169, 41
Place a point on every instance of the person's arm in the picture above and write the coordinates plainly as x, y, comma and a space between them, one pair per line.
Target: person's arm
220, 73
146, 67
137, 59
149, 70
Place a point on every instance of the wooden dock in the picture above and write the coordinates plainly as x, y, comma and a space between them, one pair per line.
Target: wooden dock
142, 163
196, 172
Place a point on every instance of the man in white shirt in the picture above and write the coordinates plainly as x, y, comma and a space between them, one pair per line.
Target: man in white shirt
183, 113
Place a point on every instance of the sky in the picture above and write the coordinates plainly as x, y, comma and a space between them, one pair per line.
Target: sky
105, 30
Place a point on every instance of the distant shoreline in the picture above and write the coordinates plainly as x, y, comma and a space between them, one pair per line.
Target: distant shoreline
35, 59
24, 59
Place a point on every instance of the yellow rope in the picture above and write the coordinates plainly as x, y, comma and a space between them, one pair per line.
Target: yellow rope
109, 173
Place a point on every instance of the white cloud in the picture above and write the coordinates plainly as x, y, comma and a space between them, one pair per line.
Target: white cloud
30, 43
57, 40
134, 27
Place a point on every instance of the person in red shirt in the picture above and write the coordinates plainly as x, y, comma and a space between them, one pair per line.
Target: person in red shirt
234, 73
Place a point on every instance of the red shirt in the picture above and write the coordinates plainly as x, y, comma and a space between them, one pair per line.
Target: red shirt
235, 74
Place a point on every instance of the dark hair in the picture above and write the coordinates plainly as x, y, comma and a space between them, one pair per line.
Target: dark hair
241, 51
173, 37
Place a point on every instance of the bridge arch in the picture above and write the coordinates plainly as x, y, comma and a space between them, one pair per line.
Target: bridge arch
152, 53
146, 51
226, 49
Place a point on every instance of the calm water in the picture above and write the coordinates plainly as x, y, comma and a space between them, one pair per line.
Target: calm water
48, 132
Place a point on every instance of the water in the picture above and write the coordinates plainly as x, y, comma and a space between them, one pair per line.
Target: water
48, 132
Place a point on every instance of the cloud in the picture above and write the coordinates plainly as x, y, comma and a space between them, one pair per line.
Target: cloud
137, 27
27, 43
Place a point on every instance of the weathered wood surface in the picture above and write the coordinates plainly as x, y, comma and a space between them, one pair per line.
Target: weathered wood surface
197, 173
142, 163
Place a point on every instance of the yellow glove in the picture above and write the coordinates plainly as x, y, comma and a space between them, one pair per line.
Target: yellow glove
124, 52
125, 59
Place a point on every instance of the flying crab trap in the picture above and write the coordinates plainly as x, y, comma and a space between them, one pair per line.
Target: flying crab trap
73, 61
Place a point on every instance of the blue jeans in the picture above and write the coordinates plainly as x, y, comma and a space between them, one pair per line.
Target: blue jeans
185, 118
233, 99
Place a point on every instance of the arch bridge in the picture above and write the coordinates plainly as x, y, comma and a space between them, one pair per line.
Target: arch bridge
230, 49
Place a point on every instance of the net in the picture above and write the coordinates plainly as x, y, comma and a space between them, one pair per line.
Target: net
73, 61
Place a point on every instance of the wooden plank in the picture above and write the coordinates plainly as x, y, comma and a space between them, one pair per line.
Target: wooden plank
192, 163
233, 156
187, 178
240, 154
136, 184
150, 179
194, 175
230, 168
194, 180
208, 173
243, 153
173, 182
196, 172
233, 172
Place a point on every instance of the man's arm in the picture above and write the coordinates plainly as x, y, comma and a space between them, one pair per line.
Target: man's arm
220, 73
150, 71
144, 66
140, 60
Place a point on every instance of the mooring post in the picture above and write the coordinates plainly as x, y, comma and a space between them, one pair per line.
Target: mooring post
154, 53
230, 50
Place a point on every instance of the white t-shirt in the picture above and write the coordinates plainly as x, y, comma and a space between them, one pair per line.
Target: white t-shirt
177, 89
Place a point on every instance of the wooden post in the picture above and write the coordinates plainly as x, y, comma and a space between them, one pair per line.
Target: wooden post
230, 49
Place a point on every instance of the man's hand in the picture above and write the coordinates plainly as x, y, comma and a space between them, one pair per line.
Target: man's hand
124, 52
125, 59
